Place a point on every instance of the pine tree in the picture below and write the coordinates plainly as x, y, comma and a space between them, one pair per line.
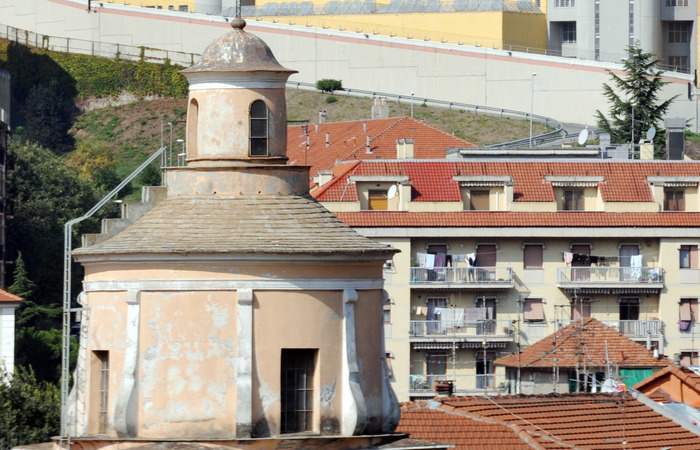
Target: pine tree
22, 285
634, 104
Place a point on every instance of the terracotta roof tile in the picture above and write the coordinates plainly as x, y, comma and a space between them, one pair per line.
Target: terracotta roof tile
590, 338
422, 422
684, 374
587, 421
6, 297
433, 180
515, 219
348, 142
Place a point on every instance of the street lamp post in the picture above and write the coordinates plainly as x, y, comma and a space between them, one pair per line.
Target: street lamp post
532, 102
412, 94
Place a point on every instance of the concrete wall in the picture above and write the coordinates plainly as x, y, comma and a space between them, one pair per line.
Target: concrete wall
566, 89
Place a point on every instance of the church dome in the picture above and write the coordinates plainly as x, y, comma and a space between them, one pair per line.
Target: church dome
238, 51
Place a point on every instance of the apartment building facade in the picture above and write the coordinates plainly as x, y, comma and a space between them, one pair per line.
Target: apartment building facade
497, 255
601, 31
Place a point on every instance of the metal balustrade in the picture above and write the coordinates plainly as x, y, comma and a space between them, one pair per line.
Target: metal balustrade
491, 276
459, 384
462, 328
571, 275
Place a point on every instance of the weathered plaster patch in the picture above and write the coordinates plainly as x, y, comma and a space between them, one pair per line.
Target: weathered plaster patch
176, 382
327, 394
268, 396
219, 316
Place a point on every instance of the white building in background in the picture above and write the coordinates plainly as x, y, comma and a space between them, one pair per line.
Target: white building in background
8, 305
596, 30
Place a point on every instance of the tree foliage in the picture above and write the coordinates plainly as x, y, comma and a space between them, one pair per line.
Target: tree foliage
329, 85
22, 286
634, 102
49, 116
30, 410
46, 194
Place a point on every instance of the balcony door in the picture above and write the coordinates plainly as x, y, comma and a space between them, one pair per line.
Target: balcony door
488, 326
629, 317
435, 306
486, 258
580, 265
435, 367
627, 251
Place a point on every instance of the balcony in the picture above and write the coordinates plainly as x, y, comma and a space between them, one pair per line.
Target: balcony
463, 277
633, 329
462, 384
482, 330
611, 280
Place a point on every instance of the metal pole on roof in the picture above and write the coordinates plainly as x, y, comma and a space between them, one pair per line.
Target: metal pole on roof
532, 102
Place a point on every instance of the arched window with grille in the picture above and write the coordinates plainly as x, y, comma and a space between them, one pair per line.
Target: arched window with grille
258, 128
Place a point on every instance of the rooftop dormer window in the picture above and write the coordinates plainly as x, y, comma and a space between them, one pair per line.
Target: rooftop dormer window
483, 192
258, 128
575, 193
675, 193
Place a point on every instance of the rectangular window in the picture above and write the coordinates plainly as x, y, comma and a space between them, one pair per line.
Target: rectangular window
678, 64
688, 310
688, 256
568, 32
629, 309
676, 2
673, 200
564, 3
182, 8
573, 200
103, 360
533, 310
387, 313
378, 200
297, 389
479, 200
532, 256
677, 32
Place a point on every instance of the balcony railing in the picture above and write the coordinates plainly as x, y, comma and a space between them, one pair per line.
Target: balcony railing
432, 385
453, 329
609, 276
633, 329
475, 276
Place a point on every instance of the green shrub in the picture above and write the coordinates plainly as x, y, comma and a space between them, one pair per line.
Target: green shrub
329, 85
331, 99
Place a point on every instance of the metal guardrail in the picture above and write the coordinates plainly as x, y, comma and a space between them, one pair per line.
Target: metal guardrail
96, 48
457, 383
482, 328
557, 133
463, 275
610, 275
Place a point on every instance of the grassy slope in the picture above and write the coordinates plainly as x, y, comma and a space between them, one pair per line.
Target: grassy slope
134, 130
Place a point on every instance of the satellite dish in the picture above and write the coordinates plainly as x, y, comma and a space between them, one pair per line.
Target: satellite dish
651, 132
583, 136
392, 192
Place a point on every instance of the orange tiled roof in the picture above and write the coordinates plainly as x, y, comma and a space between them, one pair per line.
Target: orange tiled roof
433, 180
423, 422
588, 338
685, 375
514, 219
586, 421
6, 297
348, 141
